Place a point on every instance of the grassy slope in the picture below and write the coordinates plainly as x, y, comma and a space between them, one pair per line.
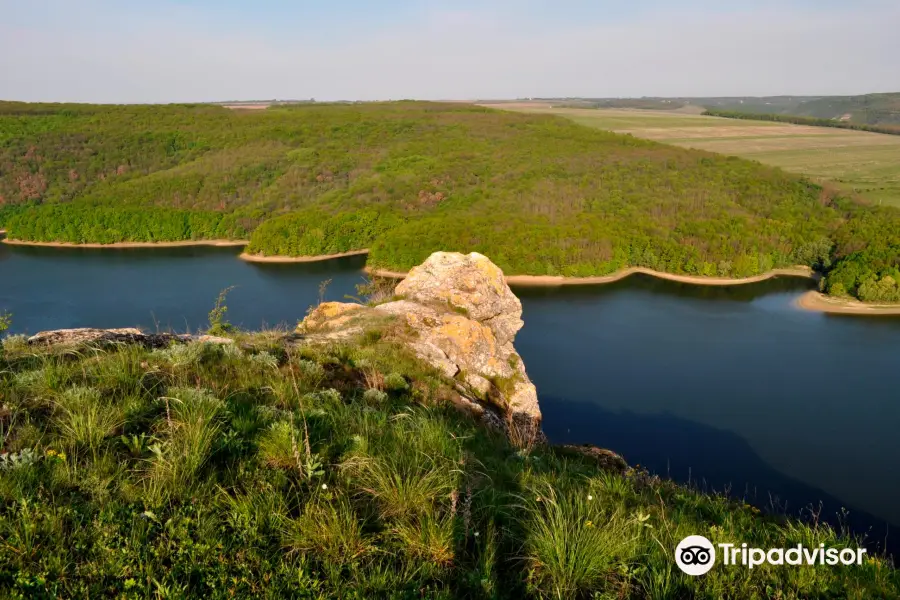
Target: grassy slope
321, 472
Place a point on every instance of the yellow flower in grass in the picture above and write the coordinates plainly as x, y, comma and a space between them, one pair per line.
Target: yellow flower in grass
589, 524
54, 455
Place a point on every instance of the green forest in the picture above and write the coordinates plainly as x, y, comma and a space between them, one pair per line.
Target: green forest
538, 194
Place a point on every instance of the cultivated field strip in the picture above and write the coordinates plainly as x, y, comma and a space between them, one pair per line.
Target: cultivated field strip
867, 164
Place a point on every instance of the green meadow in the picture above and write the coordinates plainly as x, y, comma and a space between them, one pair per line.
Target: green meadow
272, 469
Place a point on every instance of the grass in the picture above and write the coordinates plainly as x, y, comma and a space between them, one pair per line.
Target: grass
207, 471
867, 164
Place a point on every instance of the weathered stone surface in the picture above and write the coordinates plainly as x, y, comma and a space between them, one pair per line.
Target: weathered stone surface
331, 315
605, 459
111, 336
470, 284
462, 319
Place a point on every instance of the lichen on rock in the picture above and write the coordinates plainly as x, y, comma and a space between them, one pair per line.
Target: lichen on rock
462, 319
86, 335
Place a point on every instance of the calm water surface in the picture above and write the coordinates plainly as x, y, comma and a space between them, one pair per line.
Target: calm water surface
729, 388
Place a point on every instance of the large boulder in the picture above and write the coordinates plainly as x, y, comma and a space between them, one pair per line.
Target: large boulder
469, 284
462, 319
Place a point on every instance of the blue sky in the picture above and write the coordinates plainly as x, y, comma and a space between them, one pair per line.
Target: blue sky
199, 50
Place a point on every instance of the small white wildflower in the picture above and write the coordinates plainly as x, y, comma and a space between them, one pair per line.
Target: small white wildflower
476, 534
590, 497
324, 486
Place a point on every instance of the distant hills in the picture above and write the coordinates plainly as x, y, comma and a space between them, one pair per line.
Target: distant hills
870, 109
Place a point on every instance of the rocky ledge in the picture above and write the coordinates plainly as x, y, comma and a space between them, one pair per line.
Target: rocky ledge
120, 336
454, 311
459, 316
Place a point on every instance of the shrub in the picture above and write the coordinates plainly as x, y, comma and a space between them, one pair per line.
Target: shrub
395, 382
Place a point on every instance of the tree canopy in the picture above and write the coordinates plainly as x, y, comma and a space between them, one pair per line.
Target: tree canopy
536, 193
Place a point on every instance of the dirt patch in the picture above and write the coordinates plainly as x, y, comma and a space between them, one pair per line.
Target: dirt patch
662, 133
516, 105
261, 106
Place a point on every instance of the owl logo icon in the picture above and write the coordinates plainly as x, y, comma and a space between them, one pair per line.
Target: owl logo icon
695, 555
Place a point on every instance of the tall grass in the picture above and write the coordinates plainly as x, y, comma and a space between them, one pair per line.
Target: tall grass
330, 530
189, 431
207, 473
85, 419
575, 544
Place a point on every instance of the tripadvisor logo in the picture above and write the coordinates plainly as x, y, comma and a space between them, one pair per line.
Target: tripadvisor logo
696, 555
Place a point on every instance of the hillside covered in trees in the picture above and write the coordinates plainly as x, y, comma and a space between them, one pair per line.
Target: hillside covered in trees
868, 109
538, 194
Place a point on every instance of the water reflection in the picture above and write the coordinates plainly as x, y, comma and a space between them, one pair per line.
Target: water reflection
809, 397
706, 458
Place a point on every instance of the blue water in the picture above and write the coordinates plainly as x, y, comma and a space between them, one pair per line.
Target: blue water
728, 388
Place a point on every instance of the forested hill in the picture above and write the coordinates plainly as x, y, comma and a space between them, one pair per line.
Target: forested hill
537, 194
873, 110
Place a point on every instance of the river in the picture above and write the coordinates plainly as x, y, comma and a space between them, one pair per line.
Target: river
726, 388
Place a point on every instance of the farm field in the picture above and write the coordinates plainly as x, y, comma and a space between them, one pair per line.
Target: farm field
865, 163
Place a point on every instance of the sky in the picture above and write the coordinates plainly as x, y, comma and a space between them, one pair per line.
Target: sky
137, 51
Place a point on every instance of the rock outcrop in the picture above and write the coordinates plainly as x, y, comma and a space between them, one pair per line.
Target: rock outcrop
605, 459
462, 319
456, 313
122, 336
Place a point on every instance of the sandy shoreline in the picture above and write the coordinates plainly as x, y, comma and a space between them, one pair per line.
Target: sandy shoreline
818, 302
553, 281
129, 244
811, 301
298, 259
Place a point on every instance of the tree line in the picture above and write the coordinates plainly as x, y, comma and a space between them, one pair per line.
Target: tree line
79, 224
798, 120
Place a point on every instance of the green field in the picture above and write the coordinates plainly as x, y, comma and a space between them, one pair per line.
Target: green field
867, 164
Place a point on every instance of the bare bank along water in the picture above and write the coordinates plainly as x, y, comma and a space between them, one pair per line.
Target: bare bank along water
729, 388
